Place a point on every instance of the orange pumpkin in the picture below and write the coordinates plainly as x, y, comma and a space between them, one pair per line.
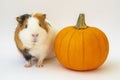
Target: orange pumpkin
81, 47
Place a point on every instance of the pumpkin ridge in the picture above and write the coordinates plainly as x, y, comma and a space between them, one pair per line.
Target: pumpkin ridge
104, 38
83, 62
80, 45
69, 47
61, 43
98, 46
58, 48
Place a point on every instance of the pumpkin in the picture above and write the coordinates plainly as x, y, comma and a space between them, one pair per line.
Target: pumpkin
81, 47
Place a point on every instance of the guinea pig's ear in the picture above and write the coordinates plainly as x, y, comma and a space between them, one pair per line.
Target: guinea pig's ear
21, 18
44, 16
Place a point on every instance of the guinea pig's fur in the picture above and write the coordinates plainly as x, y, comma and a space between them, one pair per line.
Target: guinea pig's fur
34, 37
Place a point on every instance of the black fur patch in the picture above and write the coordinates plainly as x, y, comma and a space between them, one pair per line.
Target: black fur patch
26, 54
23, 17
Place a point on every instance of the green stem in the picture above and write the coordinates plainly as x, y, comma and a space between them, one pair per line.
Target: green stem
81, 22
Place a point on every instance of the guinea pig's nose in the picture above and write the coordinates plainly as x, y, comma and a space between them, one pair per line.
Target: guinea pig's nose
35, 35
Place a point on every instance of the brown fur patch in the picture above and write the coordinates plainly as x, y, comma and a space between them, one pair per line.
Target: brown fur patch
41, 18
16, 36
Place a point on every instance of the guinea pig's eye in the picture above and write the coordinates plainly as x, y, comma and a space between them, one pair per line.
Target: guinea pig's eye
40, 25
26, 26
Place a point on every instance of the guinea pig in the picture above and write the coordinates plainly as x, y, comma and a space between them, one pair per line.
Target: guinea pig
34, 38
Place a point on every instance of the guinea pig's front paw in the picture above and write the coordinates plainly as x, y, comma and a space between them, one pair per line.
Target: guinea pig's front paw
28, 65
39, 65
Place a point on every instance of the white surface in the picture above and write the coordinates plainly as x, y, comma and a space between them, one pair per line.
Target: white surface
104, 14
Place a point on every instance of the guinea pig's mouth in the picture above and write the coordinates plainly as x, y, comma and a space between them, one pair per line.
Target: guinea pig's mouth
34, 40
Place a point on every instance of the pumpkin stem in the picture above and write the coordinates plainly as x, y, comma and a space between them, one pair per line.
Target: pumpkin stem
81, 22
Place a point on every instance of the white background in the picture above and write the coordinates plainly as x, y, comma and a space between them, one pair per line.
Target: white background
105, 14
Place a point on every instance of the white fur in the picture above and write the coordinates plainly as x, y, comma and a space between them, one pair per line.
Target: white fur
44, 45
